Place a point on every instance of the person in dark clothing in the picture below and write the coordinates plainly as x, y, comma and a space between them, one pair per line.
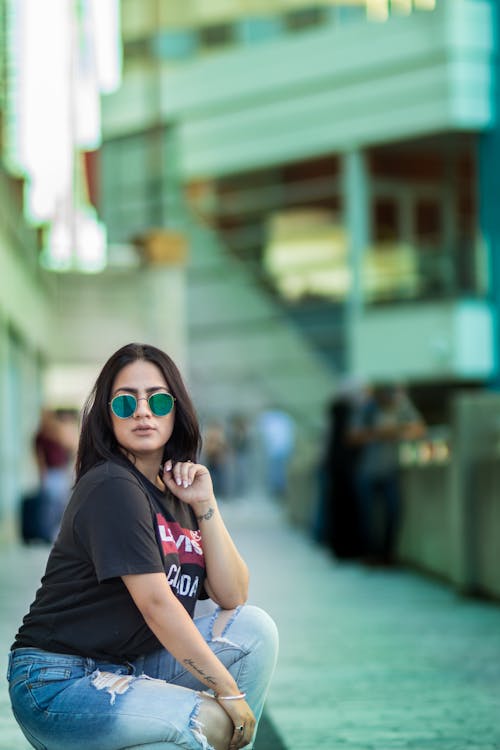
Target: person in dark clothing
111, 654
215, 456
341, 528
377, 427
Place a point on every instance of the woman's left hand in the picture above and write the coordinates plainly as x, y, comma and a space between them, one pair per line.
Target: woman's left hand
190, 482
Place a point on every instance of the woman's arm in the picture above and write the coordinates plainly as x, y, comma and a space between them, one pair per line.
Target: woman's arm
227, 573
169, 621
176, 631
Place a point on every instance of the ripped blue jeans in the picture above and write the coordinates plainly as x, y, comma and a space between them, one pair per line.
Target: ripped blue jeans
64, 702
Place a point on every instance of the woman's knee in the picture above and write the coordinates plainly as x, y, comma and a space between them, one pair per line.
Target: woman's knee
257, 620
261, 627
262, 621
214, 723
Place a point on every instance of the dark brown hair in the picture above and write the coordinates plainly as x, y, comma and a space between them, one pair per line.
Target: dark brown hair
97, 439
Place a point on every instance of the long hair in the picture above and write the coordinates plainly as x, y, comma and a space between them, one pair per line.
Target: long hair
97, 439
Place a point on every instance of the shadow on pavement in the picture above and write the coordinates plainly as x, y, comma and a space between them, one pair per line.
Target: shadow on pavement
267, 736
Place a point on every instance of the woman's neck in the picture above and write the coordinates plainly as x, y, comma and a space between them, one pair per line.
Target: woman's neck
150, 470
150, 467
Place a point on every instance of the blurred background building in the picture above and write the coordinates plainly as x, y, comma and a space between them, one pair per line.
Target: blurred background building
281, 194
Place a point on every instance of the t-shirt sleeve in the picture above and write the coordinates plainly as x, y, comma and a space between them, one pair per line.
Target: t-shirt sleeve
115, 527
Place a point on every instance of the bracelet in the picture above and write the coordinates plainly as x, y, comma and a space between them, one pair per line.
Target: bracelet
238, 697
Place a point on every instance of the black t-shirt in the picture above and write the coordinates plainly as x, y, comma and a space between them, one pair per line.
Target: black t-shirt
116, 523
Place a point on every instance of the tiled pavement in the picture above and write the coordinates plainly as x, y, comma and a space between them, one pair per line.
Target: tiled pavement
370, 659
20, 571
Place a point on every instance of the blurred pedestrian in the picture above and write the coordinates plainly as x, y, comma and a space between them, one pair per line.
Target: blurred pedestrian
215, 456
338, 526
377, 427
109, 656
240, 445
54, 446
277, 430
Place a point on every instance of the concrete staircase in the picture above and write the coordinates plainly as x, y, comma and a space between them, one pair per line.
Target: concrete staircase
244, 351
245, 354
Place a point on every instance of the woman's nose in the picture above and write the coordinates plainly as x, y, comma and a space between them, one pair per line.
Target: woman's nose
142, 407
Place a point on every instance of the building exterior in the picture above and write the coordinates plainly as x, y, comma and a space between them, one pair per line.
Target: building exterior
329, 167
333, 157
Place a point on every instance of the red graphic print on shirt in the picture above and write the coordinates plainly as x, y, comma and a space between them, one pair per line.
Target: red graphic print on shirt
184, 561
186, 543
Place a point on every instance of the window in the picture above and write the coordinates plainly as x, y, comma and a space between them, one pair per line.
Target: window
298, 20
216, 35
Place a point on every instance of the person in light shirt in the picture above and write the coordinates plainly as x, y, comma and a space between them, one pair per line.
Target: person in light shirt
277, 430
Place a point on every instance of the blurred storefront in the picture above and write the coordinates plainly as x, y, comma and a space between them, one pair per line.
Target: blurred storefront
451, 513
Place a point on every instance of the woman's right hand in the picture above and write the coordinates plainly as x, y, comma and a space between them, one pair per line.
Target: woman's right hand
241, 715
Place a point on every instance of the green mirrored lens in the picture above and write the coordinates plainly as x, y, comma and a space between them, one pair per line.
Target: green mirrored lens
124, 406
161, 404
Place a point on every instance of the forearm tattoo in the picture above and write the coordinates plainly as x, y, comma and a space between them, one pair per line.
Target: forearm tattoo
206, 516
205, 677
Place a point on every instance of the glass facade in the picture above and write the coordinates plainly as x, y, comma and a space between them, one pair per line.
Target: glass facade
424, 223
424, 242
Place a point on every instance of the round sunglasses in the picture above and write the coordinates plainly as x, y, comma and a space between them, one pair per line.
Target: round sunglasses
124, 405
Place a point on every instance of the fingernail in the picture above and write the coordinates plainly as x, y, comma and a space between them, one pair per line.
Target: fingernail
185, 484
168, 466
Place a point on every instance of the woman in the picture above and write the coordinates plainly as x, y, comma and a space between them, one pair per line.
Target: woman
109, 656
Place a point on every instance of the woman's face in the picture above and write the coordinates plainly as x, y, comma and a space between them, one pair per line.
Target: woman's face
143, 434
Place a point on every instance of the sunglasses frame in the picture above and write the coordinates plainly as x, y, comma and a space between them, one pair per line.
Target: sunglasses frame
148, 399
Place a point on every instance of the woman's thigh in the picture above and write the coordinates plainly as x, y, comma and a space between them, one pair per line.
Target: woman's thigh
60, 707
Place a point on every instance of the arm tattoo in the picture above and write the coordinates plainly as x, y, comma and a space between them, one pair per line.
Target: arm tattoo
190, 663
206, 516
